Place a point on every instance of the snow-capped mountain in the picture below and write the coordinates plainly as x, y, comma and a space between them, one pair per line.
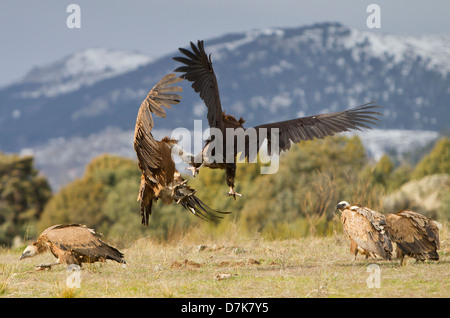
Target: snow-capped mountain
81, 69
264, 75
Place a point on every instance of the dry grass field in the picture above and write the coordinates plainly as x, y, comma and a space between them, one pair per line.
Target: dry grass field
231, 266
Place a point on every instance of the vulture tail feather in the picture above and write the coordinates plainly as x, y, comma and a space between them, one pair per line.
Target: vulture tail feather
184, 195
197, 207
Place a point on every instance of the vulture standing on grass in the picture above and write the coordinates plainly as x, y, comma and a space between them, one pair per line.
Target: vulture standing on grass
198, 69
414, 234
362, 226
160, 179
72, 244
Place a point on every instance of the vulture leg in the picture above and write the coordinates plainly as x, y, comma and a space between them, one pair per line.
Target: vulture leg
402, 260
231, 173
233, 193
353, 249
41, 267
356, 253
401, 257
194, 170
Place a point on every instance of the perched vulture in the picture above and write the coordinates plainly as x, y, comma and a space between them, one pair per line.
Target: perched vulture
415, 235
198, 69
72, 244
362, 226
160, 179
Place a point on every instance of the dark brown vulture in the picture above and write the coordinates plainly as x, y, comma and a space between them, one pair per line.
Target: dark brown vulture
198, 69
362, 226
160, 179
72, 244
414, 234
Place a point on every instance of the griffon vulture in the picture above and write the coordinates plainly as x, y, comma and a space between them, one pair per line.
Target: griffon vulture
414, 234
160, 179
72, 244
362, 226
198, 69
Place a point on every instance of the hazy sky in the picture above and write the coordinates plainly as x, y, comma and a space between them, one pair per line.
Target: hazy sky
34, 32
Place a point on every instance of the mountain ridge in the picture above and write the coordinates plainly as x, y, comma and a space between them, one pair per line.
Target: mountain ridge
284, 72
82, 68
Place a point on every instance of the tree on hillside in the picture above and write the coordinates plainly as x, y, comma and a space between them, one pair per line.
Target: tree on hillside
23, 195
84, 200
78, 202
383, 170
437, 161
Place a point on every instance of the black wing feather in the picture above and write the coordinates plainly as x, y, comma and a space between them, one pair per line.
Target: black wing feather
318, 126
200, 72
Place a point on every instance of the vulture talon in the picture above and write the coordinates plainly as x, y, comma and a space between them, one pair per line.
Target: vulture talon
42, 267
234, 194
193, 170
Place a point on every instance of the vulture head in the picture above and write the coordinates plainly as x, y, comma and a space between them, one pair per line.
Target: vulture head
169, 141
230, 120
29, 251
342, 206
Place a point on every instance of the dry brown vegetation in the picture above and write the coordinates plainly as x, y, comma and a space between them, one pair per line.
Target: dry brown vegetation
199, 265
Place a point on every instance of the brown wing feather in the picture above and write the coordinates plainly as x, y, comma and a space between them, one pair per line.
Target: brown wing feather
415, 235
374, 217
155, 157
148, 150
78, 239
357, 224
199, 70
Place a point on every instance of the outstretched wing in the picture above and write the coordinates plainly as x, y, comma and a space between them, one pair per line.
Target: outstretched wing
85, 241
317, 126
146, 147
198, 69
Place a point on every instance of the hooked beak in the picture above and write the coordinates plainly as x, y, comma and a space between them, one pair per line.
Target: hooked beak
340, 207
25, 254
